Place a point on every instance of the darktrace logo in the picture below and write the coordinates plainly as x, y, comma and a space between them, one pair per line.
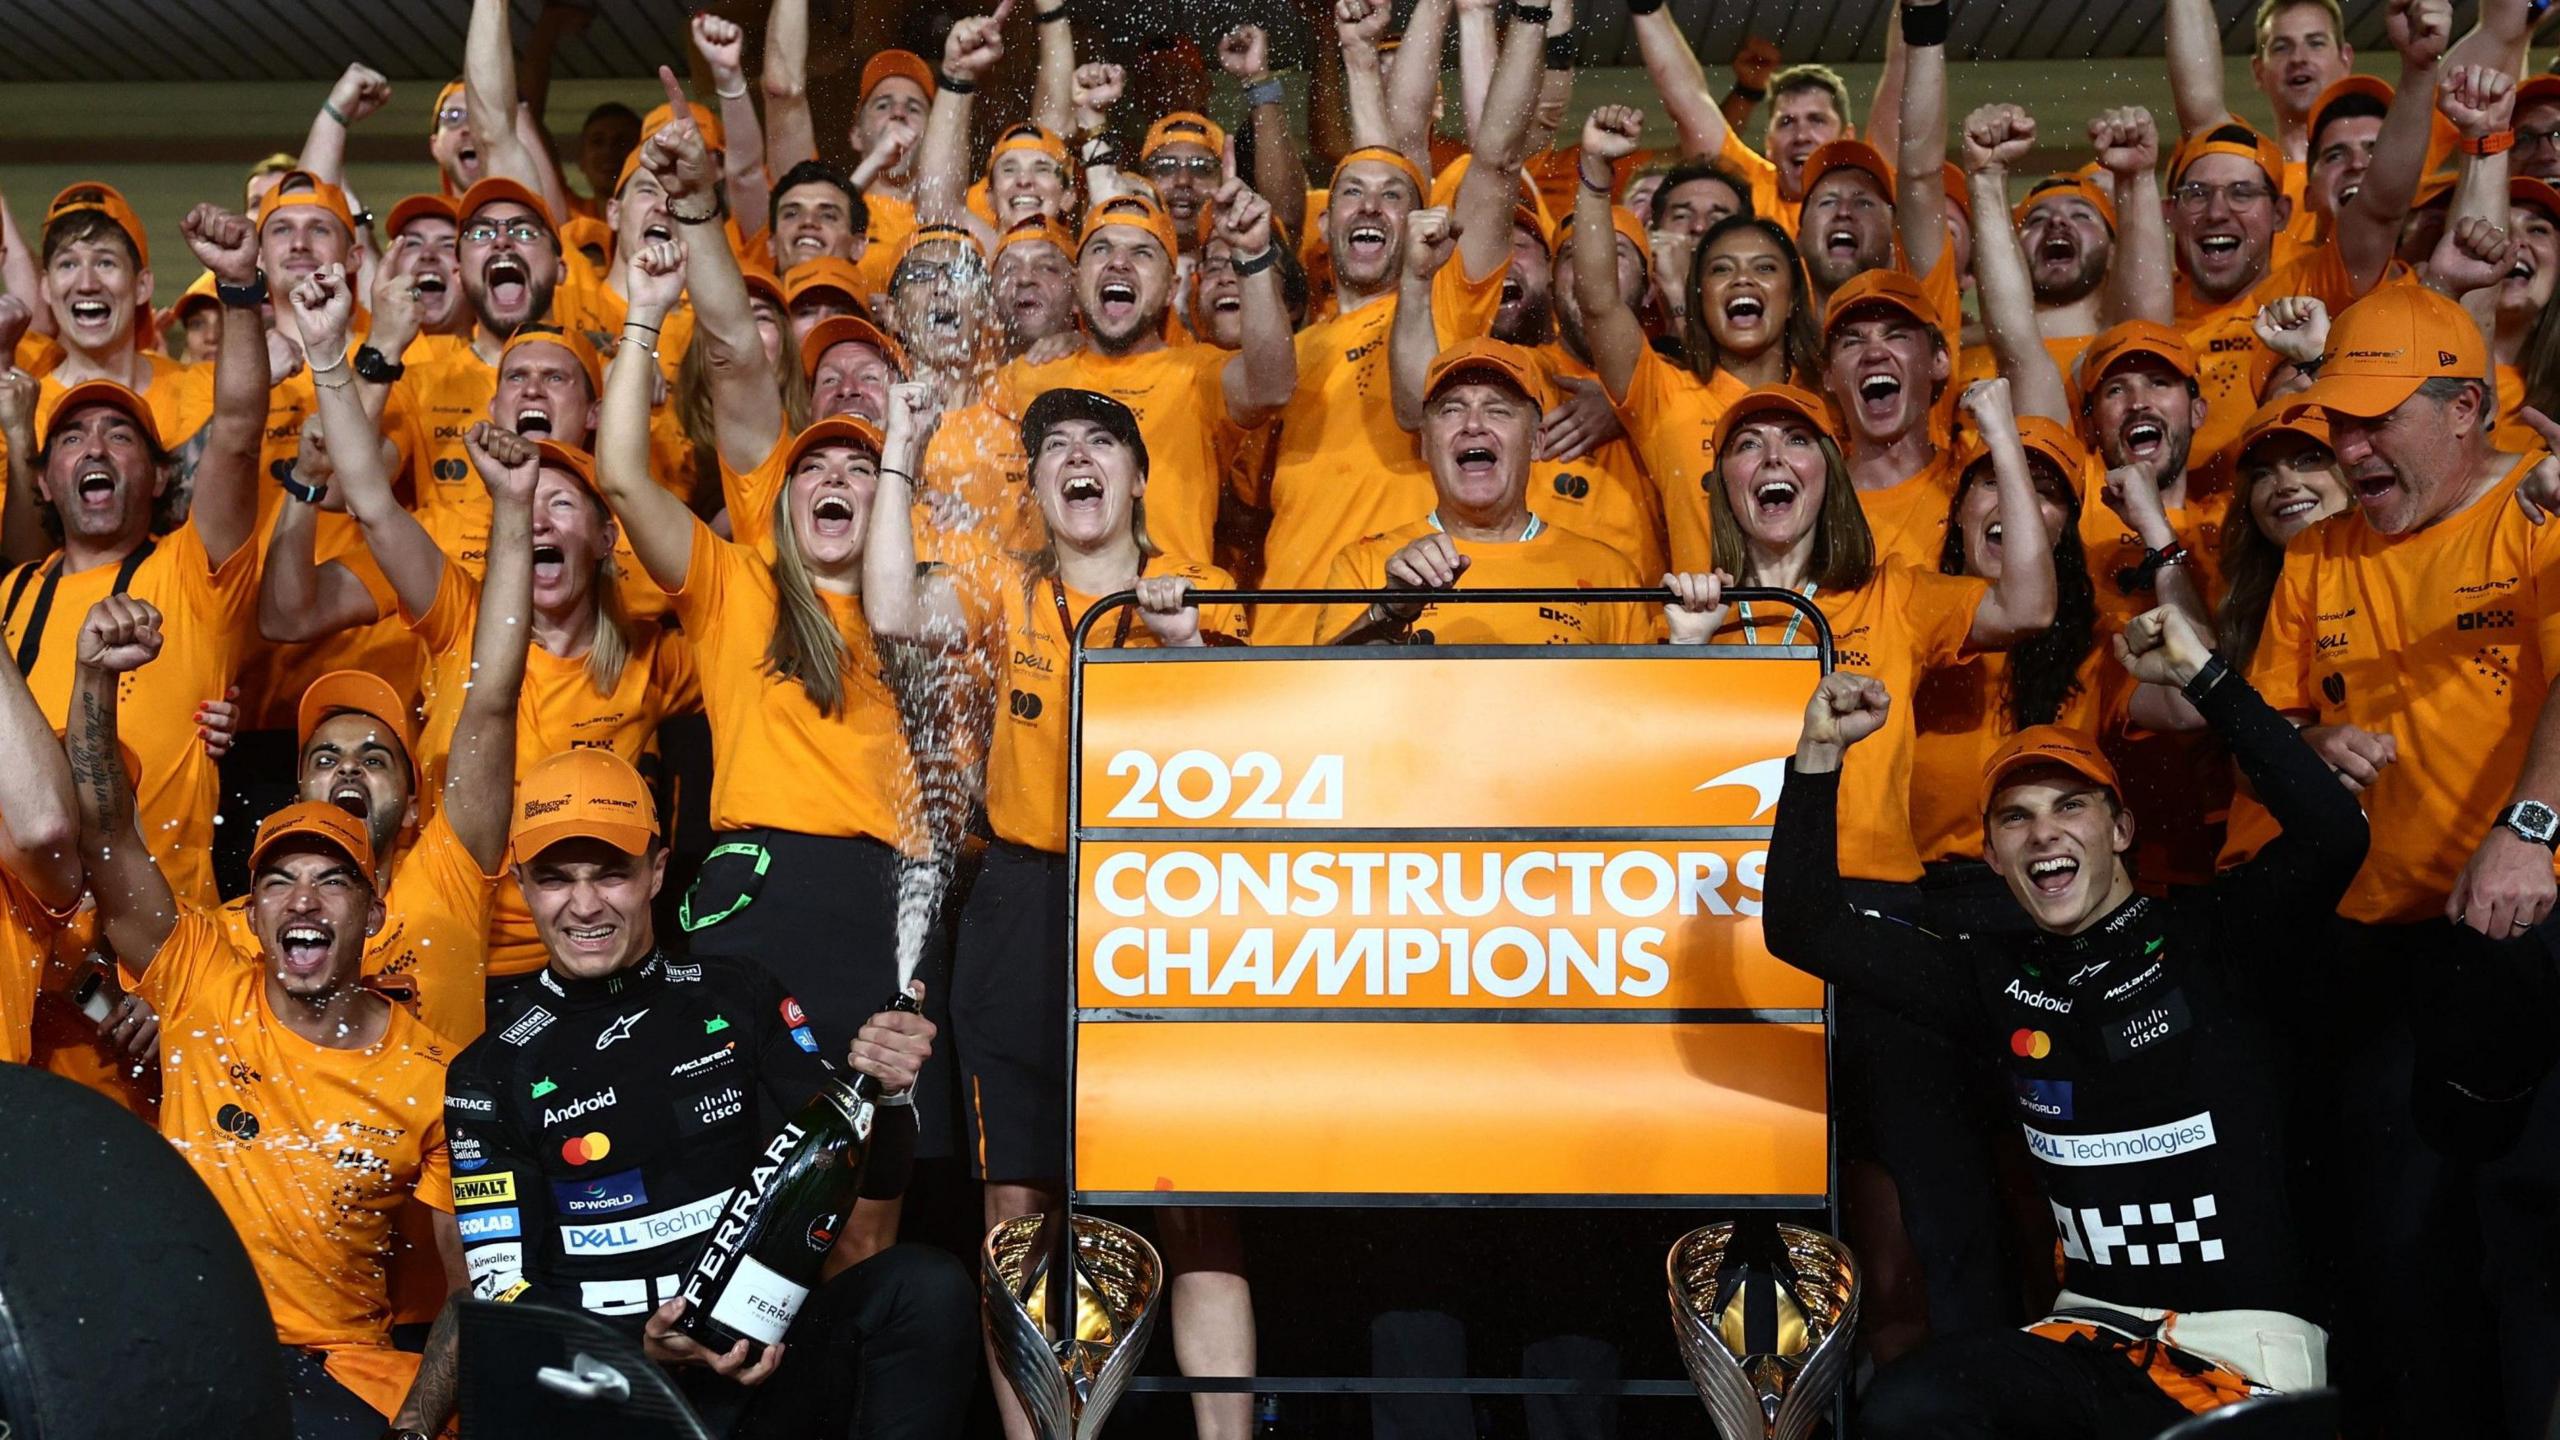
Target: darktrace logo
236, 1122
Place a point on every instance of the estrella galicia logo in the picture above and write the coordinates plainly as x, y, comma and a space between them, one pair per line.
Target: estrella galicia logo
236, 1122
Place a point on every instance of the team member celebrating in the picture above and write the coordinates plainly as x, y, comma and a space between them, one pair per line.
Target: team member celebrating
611, 1120
305, 1101
1808, 109
1886, 359
2143, 1040
811, 773
97, 289
1090, 469
40, 877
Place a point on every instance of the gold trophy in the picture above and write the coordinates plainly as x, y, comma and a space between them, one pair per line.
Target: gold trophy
1766, 1337
1068, 1386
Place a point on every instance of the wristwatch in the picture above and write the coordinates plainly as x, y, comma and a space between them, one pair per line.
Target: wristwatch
2534, 821
309, 494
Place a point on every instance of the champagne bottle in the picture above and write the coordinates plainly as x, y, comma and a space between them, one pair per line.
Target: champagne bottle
763, 1257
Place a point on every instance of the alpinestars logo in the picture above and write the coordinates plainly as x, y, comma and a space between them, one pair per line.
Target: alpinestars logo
619, 1030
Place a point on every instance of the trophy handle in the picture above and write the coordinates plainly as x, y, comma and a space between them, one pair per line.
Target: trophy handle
1765, 1397
1068, 1385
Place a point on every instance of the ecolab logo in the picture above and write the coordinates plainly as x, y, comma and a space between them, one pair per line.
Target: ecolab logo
2037, 999
576, 1108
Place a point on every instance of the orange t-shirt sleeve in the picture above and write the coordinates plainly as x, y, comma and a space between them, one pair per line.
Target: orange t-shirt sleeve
2280, 668
435, 1169
749, 497
706, 579
2542, 553
1462, 309
193, 947
1940, 613
676, 677
448, 619
225, 595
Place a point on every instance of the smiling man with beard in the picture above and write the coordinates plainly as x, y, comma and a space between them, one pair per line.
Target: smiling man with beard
1345, 468
1808, 109
1846, 226
307, 1103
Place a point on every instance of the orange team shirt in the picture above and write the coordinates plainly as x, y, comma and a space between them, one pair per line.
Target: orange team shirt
1549, 556
433, 944
27, 933
1018, 619
975, 457
1671, 418
209, 617
2225, 340
1904, 621
1909, 519
1980, 363
606, 312
1961, 713
558, 709
1345, 468
310, 1150
2511, 432
180, 397
1762, 172
776, 762
1179, 395
2304, 231
1606, 494
2444, 639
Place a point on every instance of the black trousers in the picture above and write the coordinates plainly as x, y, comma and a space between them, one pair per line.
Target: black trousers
323, 1409
2445, 1217
888, 1350
2010, 1385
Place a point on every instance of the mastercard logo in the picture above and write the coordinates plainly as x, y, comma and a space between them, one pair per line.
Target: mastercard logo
586, 1149
2025, 1044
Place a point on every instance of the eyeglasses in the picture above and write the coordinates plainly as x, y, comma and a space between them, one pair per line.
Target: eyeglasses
1166, 167
2528, 139
451, 117
2195, 196
523, 232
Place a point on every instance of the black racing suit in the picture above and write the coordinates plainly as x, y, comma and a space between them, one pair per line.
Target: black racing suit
597, 1128
2145, 1053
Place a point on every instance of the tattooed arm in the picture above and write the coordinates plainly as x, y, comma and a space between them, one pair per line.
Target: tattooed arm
136, 911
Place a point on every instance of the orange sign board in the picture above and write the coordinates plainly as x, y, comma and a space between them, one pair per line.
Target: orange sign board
1343, 925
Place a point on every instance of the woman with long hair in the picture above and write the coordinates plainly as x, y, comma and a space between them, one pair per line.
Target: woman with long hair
1751, 323
1008, 985
812, 784
693, 388
2525, 342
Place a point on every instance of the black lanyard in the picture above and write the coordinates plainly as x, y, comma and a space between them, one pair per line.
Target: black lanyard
31, 644
1067, 626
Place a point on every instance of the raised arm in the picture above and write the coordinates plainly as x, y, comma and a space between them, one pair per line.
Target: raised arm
1491, 188
359, 93
300, 598
1414, 340
39, 821
1478, 39
2142, 279
658, 524
489, 94
969, 52
1414, 77
136, 910
1884, 107
1264, 371
2369, 223
224, 508
790, 136
1279, 161
18, 264
746, 409
479, 783
1053, 85
2192, 42
408, 555
2133, 493
1996, 137
1358, 26
1681, 81
722, 45
900, 601
2479, 102
1609, 323
22, 534
2021, 600
1920, 150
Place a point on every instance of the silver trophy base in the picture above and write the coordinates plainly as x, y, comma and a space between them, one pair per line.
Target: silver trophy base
1067, 1385
1780, 1395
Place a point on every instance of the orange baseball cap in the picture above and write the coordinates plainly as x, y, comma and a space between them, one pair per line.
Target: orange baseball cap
2372, 88
318, 820
1135, 211
106, 200
582, 794
2232, 137
364, 693
2040, 436
2543, 89
197, 296
102, 392
1038, 140
1038, 230
1381, 155
2284, 415
1182, 126
2388, 344
1483, 355
580, 348
705, 119
2134, 337
1622, 221
937, 234
496, 188
419, 207
824, 272
896, 65
1791, 399
2069, 184
301, 187
584, 230
580, 465
833, 430
1855, 155
762, 281
2073, 750
837, 330
1888, 288
2541, 194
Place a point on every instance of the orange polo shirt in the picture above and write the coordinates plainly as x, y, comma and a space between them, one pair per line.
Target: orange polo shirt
1550, 556
1671, 417
1606, 494
1179, 395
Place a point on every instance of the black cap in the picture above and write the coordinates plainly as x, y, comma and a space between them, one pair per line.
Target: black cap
1115, 419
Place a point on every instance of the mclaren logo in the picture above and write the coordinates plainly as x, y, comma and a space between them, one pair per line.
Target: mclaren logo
1765, 778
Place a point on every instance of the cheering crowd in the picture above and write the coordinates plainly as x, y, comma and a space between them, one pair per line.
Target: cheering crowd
377, 754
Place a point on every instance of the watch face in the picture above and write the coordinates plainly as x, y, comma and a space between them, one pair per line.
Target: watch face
2536, 819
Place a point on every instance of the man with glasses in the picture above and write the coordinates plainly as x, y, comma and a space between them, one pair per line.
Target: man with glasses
1183, 156
2537, 151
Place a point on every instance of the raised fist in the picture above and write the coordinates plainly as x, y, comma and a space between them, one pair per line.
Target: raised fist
1244, 52
122, 634
359, 93
227, 244
2127, 142
1997, 137
1612, 133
